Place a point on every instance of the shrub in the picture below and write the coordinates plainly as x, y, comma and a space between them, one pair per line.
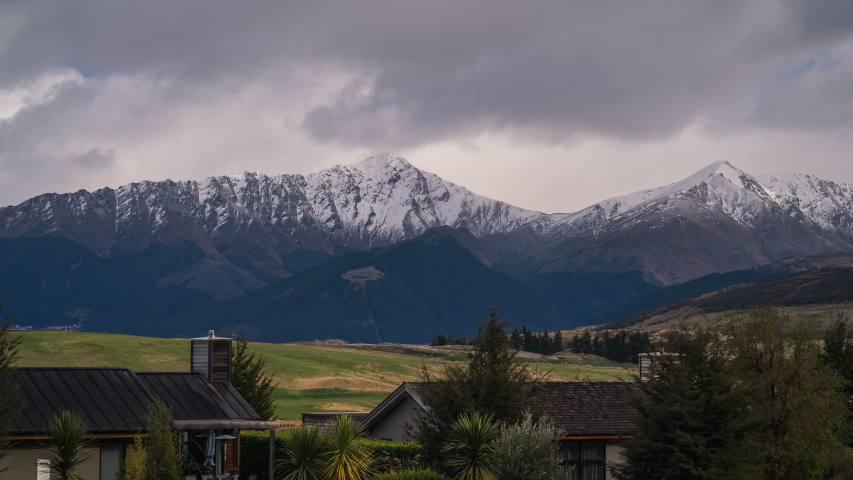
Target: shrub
394, 457
67, 446
524, 449
255, 451
133, 465
411, 475
348, 456
163, 446
303, 454
470, 452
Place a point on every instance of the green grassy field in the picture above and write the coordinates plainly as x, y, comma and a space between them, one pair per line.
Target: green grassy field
309, 377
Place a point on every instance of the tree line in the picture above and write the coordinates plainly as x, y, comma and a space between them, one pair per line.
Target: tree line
756, 396
620, 346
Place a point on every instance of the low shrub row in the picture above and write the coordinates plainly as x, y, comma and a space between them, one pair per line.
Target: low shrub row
390, 456
411, 475
396, 456
255, 452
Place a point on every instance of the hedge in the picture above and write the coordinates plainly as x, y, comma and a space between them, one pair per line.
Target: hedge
390, 456
411, 475
396, 456
255, 452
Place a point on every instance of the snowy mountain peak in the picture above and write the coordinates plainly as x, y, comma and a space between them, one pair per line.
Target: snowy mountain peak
258, 220
381, 165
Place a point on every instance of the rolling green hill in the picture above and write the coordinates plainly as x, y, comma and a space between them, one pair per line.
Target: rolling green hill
308, 377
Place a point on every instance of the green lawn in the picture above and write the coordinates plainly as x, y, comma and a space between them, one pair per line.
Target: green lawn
309, 377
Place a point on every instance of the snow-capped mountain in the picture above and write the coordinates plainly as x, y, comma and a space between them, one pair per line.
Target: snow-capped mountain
718, 219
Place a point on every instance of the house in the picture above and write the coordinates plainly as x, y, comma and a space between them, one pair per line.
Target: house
591, 417
114, 402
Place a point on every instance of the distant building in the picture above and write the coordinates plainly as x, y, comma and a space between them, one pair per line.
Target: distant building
591, 417
113, 402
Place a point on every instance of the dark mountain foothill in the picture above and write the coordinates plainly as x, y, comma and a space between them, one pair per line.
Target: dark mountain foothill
402, 293
156, 254
810, 287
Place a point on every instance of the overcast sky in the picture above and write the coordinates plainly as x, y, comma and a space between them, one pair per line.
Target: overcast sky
548, 105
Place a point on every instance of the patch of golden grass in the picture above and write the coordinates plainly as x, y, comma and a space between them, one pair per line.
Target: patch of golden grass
340, 407
344, 383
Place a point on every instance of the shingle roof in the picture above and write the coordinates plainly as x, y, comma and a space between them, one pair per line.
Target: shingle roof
115, 400
402, 392
192, 398
578, 408
111, 400
588, 408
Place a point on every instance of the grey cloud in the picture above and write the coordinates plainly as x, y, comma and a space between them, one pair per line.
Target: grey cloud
95, 158
822, 19
390, 75
433, 71
549, 71
817, 99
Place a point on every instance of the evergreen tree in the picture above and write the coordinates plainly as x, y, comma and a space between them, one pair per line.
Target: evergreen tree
558, 343
515, 339
492, 382
250, 378
527, 339
586, 343
10, 404
163, 447
691, 417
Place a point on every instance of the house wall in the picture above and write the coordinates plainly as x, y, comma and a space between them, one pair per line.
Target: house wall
612, 454
391, 426
21, 461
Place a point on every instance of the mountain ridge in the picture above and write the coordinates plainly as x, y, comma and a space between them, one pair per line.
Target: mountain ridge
253, 219
225, 237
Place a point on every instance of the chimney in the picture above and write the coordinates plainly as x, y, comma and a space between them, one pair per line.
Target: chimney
647, 363
211, 357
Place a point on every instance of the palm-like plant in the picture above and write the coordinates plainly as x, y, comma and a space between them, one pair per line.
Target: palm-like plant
348, 458
471, 449
304, 448
66, 448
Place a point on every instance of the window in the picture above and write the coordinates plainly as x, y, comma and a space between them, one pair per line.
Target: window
111, 456
42, 469
583, 460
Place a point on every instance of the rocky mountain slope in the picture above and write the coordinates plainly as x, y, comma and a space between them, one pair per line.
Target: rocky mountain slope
225, 236
719, 219
406, 292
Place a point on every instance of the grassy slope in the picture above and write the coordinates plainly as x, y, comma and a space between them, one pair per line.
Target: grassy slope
820, 312
310, 378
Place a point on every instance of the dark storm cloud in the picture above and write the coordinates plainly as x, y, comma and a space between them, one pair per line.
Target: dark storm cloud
822, 19
554, 70
434, 70
158, 79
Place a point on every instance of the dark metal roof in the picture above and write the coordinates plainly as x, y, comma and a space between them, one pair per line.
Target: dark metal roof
111, 400
115, 400
192, 398
588, 408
